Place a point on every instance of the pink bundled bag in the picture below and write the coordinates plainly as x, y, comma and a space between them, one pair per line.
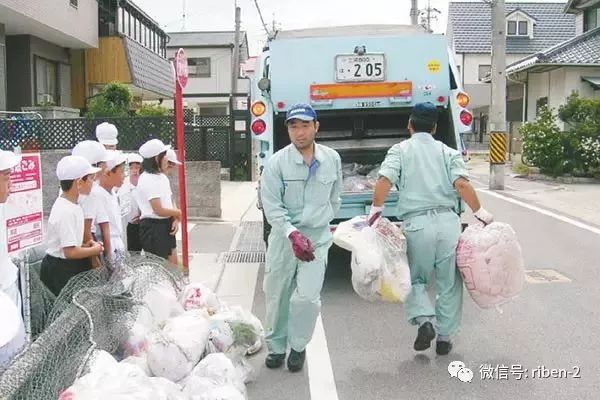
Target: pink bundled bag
491, 264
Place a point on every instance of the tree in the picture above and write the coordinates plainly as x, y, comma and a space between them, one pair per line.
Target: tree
112, 102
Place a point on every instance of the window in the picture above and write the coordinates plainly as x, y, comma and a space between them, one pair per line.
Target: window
523, 28
46, 78
74, 3
199, 67
512, 28
484, 71
541, 102
591, 19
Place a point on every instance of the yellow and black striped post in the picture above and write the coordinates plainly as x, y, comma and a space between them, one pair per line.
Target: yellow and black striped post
498, 148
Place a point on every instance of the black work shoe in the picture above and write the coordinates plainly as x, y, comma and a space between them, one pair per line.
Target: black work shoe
442, 348
425, 336
274, 360
295, 361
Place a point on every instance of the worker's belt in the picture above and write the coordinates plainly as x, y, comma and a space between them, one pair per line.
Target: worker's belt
431, 211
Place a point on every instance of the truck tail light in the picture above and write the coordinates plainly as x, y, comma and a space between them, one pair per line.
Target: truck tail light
463, 99
466, 118
259, 127
258, 108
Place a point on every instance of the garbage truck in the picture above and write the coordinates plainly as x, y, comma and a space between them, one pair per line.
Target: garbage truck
363, 82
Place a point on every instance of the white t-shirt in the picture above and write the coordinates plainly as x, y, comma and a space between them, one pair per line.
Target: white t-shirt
110, 203
153, 186
127, 199
93, 209
65, 227
9, 273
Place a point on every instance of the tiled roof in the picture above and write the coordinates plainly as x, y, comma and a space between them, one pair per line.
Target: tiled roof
471, 25
583, 50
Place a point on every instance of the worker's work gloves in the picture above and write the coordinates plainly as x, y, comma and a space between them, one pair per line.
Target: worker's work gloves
484, 216
303, 249
375, 216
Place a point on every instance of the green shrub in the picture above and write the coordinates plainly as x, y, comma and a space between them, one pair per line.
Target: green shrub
113, 102
544, 143
153, 110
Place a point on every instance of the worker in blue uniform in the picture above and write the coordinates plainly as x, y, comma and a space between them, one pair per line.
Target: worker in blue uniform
300, 192
432, 179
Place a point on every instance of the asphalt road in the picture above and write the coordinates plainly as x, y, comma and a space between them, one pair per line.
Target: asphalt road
552, 325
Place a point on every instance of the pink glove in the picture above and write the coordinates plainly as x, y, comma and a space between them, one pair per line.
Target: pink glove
302, 246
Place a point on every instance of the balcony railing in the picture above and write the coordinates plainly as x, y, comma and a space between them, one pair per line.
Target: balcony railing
125, 18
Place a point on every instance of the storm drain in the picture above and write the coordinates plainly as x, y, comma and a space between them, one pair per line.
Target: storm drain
545, 276
251, 237
244, 257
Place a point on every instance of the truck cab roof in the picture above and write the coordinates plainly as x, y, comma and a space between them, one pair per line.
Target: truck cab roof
352, 30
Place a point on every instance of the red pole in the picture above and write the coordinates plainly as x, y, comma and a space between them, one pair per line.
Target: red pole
181, 156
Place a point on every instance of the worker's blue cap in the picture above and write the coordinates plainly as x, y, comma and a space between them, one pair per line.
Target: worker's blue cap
425, 112
302, 112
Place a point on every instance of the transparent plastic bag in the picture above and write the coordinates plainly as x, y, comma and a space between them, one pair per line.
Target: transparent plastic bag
380, 269
220, 370
490, 262
198, 296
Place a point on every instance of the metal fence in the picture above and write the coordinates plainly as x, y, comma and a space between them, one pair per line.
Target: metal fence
208, 138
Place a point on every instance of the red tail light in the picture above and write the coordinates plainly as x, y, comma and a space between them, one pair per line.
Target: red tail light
466, 118
259, 127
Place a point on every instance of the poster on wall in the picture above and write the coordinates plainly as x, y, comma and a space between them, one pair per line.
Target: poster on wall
24, 208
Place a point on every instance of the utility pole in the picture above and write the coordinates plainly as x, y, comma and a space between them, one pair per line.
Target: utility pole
235, 68
498, 97
414, 12
183, 17
429, 14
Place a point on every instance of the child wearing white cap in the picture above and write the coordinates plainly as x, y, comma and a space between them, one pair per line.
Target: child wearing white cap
112, 236
159, 219
9, 273
129, 205
66, 256
107, 134
94, 213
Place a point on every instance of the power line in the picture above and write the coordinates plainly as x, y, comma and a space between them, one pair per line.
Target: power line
261, 18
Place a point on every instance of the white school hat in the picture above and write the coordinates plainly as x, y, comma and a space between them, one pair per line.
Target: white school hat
74, 167
115, 158
134, 158
152, 148
172, 157
8, 160
91, 150
107, 134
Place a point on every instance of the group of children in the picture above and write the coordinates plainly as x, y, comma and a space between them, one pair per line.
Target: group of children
85, 227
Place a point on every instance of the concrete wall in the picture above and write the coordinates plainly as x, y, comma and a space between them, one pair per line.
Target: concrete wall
202, 178
54, 20
2, 68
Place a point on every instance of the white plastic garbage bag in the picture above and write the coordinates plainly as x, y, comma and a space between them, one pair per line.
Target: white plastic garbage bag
162, 302
234, 329
221, 393
219, 369
490, 261
190, 332
197, 295
380, 269
140, 361
165, 389
166, 359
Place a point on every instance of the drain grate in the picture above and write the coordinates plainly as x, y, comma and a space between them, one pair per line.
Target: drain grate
244, 257
545, 276
251, 237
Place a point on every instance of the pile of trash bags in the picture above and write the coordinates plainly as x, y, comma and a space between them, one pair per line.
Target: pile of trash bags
182, 346
380, 269
360, 178
490, 261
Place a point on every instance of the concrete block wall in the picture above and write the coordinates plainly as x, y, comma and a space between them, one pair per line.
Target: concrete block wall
203, 179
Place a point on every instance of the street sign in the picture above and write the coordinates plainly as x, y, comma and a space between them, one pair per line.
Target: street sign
181, 67
23, 210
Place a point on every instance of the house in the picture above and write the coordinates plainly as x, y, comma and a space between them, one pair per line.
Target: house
36, 41
210, 63
550, 76
132, 49
530, 28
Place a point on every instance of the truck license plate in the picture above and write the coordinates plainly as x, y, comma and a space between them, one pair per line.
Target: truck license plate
365, 68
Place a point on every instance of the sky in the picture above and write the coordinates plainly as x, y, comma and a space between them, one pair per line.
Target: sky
207, 15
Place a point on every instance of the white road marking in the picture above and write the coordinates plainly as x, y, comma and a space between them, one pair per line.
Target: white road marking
561, 218
320, 373
190, 226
